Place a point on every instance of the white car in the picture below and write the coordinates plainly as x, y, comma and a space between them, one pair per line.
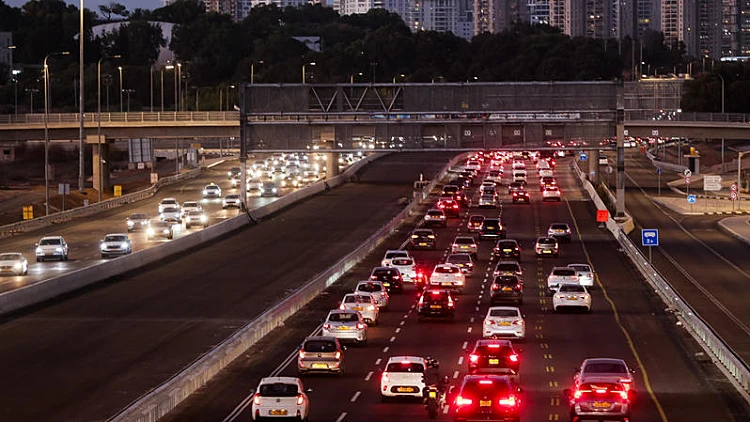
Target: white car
435, 217
168, 202
614, 370
561, 275
364, 303
404, 376
585, 274
269, 189
231, 201
488, 201
508, 268
253, 186
170, 214
504, 321
551, 193
280, 398
190, 206
196, 218
115, 244
393, 253
14, 263
407, 267
462, 260
346, 325
473, 165
51, 247
465, 244
571, 295
546, 173
376, 289
448, 276
212, 190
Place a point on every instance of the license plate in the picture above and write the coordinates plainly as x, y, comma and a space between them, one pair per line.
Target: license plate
494, 361
572, 298
507, 250
277, 412
357, 308
343, 327
447, 283
405, 389
319, 366
436, 306
433, 394
546, 251
504, 324
422, 243
387, 284
507, 289
600, 404
464, 247
485, 403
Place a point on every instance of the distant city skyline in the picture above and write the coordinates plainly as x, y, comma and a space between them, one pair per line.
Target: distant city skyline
94, 4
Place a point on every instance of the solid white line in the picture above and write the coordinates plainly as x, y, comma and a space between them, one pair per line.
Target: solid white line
465, 345
398, 330
460, 360
369, 375
355, 396
385, 349
341, 417
392, 339
215, 164
455, 375
377, 362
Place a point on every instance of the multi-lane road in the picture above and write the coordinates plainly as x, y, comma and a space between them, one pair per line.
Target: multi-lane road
628, 321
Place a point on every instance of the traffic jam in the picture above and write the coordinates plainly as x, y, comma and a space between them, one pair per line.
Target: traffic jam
425, 281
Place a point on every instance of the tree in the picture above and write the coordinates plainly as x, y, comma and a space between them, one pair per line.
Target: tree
113, 9
137, 41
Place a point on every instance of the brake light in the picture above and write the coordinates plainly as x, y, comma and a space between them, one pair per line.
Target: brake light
485, 382
342, 307
300, 399
455, 206
518, 322
414, 236
326, 326
371, 308
489, 322
360, 326
256, 399
473, 358
430, 236
495, 287
337, 356
623, 395
301, 354
513, 358
601, 390
460, 401
450, 302
577, 394
510, 401
493, 346
518, 286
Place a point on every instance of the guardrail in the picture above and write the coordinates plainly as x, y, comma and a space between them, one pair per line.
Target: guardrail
130, 117
725, 358
156, 404
666, 116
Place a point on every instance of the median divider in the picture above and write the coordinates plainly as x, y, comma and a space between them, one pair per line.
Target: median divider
163, 399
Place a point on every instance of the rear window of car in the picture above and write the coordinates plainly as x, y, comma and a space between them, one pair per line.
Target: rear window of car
391, 255
435, 297
476, 219
402, 261
170, 209
546, 241
571, 289
447, 270
423, 233
278, 390
464, 241
320, 346
495, 351
506, 244
582, 268
559, 226
503, 313
385, 271
506, 267
506, 281
458, 259
434, 213
487, 198
370, 287
405, 367
473, 388
10, 256
605, 368
344, 317
564, 272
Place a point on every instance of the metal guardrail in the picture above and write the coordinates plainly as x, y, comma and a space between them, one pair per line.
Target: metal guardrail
130, 117
667, 116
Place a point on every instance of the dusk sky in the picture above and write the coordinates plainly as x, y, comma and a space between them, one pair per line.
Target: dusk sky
94, 4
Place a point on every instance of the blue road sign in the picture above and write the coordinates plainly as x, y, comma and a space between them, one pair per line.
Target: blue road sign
658, 170
583, 156
691, 199
650, 237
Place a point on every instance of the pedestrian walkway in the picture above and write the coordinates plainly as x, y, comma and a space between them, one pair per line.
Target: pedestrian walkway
703, 205
738, 227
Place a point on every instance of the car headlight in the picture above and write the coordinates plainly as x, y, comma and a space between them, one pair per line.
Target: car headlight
150, 232
59, 250
274, 190
131, 224
165, 231
103, 246
205, 192
18, 265
124, 245
203, 219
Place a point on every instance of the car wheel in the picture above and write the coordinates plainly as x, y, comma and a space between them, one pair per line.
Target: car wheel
187, 226
25, 272
65, 258
170, 237
39, 260
104, 256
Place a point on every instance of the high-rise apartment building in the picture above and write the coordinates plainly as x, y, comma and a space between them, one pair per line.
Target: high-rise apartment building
538, 11
743, 22
484, 16
672, 21
583, 18
229, 7
6, 54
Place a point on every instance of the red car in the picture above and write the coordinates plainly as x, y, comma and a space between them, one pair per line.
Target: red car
521, 195
487, 398
450, 207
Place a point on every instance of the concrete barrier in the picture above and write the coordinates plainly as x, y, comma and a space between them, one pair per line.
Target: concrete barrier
156, 404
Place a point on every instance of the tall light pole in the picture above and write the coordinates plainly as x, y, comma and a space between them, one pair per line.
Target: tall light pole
351, 77
372, 66
252, 71
129, 91
16, 72
99, 118
80, 100
303, 70
723, 169
31, 92
178, 85
229, 86
121, 88
739, 180
402, 76
151, 86
46, 127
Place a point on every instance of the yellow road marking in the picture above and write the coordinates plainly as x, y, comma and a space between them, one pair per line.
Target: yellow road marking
553, 384
549, 369
629, 340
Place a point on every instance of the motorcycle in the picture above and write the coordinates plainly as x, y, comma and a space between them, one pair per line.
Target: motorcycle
435, 397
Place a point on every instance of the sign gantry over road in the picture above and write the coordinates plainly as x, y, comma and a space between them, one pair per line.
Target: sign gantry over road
712, 183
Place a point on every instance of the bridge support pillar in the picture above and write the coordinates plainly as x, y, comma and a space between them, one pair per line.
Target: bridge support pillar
332, 164
594, 176
100, 178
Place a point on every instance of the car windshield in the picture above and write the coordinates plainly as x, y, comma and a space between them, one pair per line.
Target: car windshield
459, 259
278, 390
473, 388
344, 317
115, 238
564, 272
605, 368
195, 213
464, 241
50, 242
169, 202
402, 261
170, 209
476, 219
190, 205
506, 244
506, 280
503, 313
406, 366
447, 270
320, 346
10, 257
572, 288
559, 227
138, 216
370, 287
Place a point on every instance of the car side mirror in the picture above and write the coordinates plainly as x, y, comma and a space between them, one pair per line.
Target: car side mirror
36, 245
309, 390
343, 347
567, 393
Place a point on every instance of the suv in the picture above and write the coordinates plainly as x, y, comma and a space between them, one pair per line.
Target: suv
559, 231
599, 398
211, 190
475, 223
390, 277
494, 356
168, 203
448, 276
507, 249
51, 247
435, 217
464, 244
487, 398
521, 195
280, 396
492, 228
393, 253
506, 288
462, 261
436, 303
508, 268
423, 238
561, 275
320, 354
404, 376
547, 246
615, 370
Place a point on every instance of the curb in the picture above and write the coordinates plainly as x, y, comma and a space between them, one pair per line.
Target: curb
723, 226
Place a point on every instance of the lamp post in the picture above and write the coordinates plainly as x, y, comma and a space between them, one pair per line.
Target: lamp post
739, 180
151, 86
723, 169
15, 73
351, 77
99, 118
372, 66
46, 127
303, 70
129, 91
402, 76
252, 71
232, 87
178, 86
120, 69
168, 66
31, 92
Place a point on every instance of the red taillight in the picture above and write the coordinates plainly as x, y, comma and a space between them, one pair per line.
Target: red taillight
337, 356
518, 286
384, 378
518, 322
473, 358
577, 394
373, 277
623, 395
513, 358
495, 287
256, 399
450, 302
455, 206
300, 399
493, 346
510, 401
361, 326
460, 401
301, 354
326, 326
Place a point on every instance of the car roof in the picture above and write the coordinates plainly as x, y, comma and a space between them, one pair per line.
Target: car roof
342, 311
603, 360
370, 281
446, 265
282, 380
504, 308
116, 234
484, 342
413, 359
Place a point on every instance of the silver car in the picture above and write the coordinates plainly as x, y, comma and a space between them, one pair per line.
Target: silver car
137, 221
115, 244
435, 217
188, 206
51, 247
377, 290
231, 201
196, 218
14, 263
364, 303
346, 325
170, 214
465, 244
487, 201
269, 189
585, 274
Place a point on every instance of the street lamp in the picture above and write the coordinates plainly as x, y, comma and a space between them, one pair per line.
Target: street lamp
99, 117
723, 169
129, 91
47, 87
252, 71
372, 65
472, 79
232, 87
15, 73
178, 87
168, 67
120, 69
31, 92
303, 70
351, 77
402, 76
739, 180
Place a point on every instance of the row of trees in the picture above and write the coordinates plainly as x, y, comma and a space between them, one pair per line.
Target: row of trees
377, 46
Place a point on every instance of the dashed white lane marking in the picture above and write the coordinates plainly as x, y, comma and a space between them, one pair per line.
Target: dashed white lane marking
402, 323
377, 362
341, 417
385, 349
480, 296
479, 302
460, 360
477, 308
471, 320
406, 316
355, 396
369, 375
465, 345
392, 339
446, 409
455, 375
398, 330
468, 330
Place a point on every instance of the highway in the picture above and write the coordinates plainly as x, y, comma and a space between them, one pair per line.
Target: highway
708, 267
88, 355
628, 321
83, 234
